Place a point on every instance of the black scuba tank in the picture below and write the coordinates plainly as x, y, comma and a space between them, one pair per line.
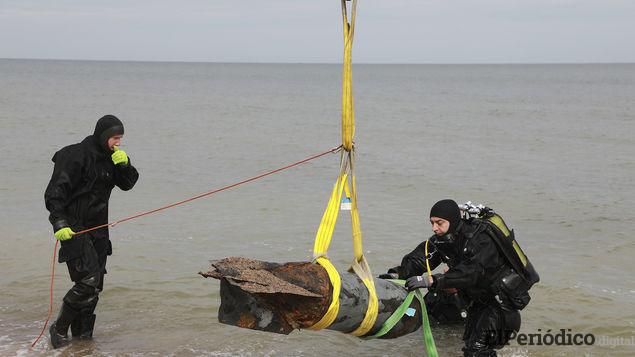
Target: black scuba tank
506, 242
511, 286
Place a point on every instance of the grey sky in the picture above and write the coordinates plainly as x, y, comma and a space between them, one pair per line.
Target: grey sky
388, 31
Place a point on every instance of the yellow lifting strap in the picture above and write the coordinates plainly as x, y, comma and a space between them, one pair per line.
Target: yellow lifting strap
345, 182
348, 117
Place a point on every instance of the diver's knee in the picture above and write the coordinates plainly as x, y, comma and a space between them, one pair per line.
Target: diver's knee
81, 296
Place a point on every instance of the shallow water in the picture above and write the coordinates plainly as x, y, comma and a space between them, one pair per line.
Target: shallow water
549, 146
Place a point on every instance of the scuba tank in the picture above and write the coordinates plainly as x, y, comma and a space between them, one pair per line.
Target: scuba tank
514, 284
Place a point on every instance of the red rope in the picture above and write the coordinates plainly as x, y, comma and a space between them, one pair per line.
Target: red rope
48, 317
112, 224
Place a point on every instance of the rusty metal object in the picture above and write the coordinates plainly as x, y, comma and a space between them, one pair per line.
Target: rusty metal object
283, 297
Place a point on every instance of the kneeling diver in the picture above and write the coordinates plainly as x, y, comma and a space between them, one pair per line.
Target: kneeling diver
491, 281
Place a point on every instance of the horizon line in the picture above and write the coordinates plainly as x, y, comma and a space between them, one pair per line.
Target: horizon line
312, 63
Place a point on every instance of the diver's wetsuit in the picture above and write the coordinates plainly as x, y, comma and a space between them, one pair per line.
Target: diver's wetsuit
77, 197
475, 268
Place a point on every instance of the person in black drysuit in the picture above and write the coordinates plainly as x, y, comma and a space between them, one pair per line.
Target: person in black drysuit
77, 198
475, 270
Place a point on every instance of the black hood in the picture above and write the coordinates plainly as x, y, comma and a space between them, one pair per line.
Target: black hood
448, 210
107, 127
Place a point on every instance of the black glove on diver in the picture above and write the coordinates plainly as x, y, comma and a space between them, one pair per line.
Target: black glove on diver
418, 282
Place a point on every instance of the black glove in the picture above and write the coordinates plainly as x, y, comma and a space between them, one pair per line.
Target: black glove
418, 282
389, 276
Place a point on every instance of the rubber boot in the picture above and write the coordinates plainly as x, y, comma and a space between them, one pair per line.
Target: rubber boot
84, 322
88, 324
76, 326
83, 325
59, 329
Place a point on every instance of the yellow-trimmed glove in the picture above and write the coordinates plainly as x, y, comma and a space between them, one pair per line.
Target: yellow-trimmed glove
64, 233
119, 156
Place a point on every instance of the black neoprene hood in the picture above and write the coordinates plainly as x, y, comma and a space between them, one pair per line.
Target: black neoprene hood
448, 210
107, 127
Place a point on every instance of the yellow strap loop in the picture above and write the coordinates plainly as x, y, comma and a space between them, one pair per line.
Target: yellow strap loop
360, 264
348, 117
327, 225
356, 227
334, 307
323, 240
362, 269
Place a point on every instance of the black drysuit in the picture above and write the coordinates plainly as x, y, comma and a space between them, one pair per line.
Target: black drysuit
475, 269
77, 197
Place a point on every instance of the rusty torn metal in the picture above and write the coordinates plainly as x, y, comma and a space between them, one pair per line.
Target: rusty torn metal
280, 298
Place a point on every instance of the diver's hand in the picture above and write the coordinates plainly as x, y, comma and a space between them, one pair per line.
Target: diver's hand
389, 276
64, 234
119, 156
418, 282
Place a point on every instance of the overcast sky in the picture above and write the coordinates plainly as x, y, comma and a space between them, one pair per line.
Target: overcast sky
309, 31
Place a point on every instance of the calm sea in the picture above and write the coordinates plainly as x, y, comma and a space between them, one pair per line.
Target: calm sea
550, 147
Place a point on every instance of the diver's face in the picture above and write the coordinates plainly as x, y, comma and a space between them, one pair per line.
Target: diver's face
114, 141
440, 226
